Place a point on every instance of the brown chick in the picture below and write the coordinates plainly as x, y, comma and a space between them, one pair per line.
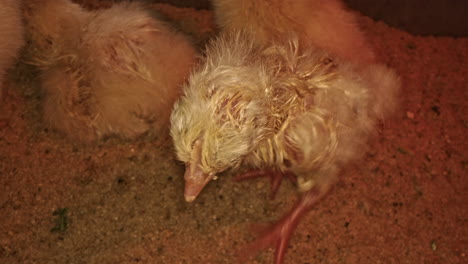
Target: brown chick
280, 110
11, 35
104, 72
326, 24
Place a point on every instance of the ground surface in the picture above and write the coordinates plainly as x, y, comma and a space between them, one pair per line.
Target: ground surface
122, 202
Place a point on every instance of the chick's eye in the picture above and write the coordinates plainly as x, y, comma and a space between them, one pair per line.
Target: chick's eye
196, 149
192, 146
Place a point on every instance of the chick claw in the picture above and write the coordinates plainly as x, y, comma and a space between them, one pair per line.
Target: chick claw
275, 176
279, 234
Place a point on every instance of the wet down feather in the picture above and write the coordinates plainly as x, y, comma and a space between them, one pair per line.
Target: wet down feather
283, 103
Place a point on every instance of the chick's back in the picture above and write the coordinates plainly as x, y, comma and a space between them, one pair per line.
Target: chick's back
326, 24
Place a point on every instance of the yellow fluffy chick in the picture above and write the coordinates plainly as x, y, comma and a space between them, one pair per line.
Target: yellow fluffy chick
11, 35
113, 71
322, 23
279, 109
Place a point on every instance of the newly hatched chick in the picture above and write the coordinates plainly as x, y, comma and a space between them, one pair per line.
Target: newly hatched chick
322, 23
11, 35
279, 109
112, 71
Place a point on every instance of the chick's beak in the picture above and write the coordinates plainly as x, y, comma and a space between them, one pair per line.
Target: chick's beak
195, 181
195, 178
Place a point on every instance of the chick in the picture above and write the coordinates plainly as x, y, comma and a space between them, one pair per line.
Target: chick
104, 72
280, 109
11, 35
322, 23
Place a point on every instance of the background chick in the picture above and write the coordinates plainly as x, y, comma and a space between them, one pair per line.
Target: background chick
11, 35
279, 109
322, 23
112, 71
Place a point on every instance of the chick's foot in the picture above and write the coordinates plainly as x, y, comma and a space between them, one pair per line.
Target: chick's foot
279, 234
276, 177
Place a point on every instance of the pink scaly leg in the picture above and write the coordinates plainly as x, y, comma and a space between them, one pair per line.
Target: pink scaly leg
276, 178
278, 235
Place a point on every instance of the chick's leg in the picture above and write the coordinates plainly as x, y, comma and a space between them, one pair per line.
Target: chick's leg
279, 234
276, 178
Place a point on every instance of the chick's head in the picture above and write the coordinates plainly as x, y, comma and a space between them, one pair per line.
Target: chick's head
219, 120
